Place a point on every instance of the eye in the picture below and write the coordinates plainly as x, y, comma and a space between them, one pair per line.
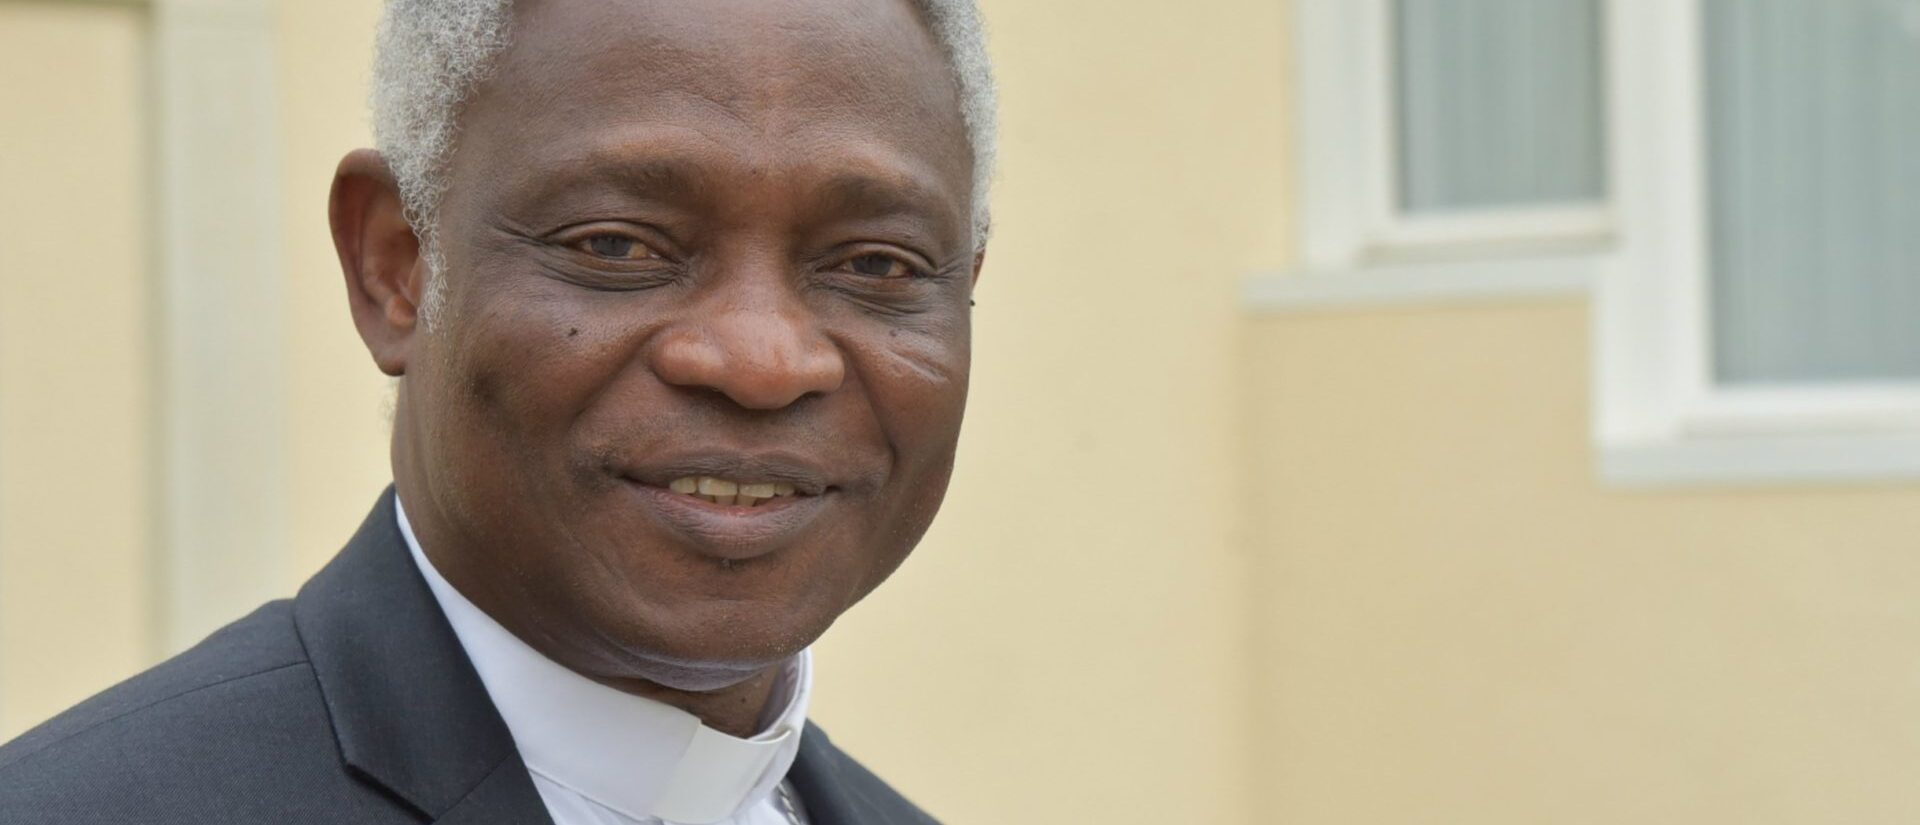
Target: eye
875, 265
616, 247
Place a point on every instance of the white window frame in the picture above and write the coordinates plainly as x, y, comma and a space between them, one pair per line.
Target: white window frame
1661, 418
1348, 116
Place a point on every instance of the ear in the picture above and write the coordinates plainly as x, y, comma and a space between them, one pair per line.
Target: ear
380, 257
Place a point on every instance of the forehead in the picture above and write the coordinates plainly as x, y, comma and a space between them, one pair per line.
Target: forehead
832, 86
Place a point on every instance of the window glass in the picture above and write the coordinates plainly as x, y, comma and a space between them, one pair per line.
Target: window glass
1813, 129
1499, 104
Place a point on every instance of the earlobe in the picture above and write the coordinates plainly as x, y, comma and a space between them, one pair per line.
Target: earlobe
379, 257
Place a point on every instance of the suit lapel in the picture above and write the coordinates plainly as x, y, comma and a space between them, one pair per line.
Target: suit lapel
837, 791
408, 710
505, 795
816, 776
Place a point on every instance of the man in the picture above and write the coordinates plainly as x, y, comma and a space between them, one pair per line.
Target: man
677, 293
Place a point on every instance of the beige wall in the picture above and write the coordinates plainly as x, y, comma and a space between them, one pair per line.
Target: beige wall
75, 521
1457, 625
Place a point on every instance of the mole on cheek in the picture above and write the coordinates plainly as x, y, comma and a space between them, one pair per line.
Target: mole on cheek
483, 388
573, 332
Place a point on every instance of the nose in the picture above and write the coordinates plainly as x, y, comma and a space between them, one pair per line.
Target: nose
762, 349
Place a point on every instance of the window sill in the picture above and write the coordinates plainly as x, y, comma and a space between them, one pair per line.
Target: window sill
1762, 461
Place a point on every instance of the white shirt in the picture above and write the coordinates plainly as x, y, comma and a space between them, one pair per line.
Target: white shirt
599, 756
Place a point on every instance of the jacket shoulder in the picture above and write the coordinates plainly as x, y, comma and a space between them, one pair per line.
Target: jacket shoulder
232, 730
249, 647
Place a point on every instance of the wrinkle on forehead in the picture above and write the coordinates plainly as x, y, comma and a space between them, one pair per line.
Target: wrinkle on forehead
817, 73
768, 52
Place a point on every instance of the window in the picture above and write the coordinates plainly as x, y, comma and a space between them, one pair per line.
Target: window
1497, 105
1813, 190
1736, 180
1440, 129
1762, 318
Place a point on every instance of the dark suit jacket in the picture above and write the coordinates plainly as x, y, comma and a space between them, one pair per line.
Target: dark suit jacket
351, 703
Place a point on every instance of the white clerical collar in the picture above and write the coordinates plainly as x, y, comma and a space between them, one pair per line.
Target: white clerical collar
634, 755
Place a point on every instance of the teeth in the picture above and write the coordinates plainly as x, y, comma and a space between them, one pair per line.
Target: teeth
732, 493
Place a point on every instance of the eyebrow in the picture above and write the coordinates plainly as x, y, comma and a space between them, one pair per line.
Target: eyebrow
655, 178
649, 176
859, 194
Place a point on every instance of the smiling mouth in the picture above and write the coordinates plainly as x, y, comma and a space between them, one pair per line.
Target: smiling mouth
757, 511
732, 493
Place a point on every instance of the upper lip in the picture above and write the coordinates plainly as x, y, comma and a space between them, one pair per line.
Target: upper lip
807, 478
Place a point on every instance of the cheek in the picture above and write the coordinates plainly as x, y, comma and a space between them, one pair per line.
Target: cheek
522, 362
917, 383
930, 362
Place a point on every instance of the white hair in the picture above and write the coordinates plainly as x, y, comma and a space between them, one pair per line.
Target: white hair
431, 54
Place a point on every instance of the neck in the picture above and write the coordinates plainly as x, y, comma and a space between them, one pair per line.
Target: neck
735, 710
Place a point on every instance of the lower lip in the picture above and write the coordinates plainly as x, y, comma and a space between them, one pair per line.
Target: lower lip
732, 533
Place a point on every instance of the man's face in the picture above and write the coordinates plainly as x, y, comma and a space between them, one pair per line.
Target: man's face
717, 243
